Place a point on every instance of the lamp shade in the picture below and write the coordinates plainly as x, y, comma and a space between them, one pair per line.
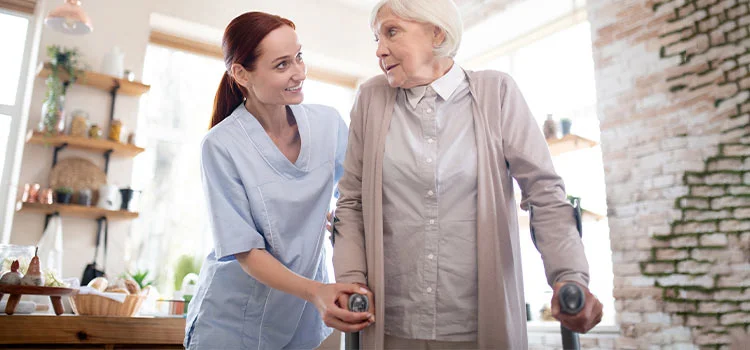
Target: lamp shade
69, 18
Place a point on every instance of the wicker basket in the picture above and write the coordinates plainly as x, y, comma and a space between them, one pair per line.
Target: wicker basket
96, 305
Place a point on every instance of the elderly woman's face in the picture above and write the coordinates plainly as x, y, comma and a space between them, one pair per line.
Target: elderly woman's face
405, 49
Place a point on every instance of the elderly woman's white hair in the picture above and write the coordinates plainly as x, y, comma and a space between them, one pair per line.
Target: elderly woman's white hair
442, 13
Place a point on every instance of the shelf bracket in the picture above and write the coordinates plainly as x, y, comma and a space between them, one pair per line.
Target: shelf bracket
113, 94
107, 155
58, 149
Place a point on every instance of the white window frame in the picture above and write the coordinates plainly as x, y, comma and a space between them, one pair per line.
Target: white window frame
19, 113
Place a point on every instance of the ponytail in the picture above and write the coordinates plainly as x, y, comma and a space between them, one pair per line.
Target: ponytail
228, 97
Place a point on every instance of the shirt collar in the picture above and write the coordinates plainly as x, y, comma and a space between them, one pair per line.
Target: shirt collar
444, 86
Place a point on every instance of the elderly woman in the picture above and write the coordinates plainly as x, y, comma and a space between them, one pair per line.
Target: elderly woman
426, 215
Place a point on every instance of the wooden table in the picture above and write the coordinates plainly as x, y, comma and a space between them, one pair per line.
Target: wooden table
90, 332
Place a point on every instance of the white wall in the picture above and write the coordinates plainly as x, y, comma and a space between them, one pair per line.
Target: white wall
334, 30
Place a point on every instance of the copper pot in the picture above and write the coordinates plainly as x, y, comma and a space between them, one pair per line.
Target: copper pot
47, 196
30, 193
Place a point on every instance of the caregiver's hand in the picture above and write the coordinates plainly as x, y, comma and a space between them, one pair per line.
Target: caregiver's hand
326, 298
344, 300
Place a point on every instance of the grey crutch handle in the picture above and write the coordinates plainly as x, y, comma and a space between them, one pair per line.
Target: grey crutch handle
357, 303
571, 300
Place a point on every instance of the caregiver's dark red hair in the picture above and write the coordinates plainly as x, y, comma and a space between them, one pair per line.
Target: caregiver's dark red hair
240, 45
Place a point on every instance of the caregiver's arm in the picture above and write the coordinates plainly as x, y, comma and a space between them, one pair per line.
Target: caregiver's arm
265, 268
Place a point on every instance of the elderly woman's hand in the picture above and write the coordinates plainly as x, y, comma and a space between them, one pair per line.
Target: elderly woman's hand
587, 318
329, 220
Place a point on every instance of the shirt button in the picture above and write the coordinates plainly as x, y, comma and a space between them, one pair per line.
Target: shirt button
430, 193
432, 222
430, 256
428, 110
429, 160
430, 140
429, 289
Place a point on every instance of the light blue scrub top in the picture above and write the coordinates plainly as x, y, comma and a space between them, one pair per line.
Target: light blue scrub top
258, 199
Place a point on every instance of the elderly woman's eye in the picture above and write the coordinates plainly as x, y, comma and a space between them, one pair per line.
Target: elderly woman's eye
281, 65
392, 32
376, 39
299, 56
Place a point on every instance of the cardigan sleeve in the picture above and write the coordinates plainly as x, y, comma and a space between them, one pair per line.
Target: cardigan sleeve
349, 255
543, 191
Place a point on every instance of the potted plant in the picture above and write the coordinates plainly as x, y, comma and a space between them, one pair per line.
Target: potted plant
65, 69
185, 265
64, 195
139, 277
565, 124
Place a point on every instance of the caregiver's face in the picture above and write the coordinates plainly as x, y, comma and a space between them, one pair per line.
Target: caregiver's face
405, 49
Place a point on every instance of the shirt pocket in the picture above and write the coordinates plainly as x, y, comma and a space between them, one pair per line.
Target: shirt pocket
264, 218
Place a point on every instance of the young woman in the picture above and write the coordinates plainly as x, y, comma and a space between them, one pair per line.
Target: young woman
269, 167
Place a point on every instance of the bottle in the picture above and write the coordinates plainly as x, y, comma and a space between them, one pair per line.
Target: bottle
550, 128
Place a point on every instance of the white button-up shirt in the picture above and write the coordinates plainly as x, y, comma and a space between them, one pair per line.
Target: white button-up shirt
429, 213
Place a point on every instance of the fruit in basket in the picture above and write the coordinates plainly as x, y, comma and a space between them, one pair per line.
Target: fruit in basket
12, 277
33, 275
99, 283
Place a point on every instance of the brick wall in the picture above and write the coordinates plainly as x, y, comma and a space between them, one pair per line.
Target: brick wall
672, 84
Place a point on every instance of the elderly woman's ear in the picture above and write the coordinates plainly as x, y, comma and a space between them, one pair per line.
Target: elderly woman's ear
438, 36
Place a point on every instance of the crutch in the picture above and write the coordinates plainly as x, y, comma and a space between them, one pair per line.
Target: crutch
571, 295
357, 303
572, 301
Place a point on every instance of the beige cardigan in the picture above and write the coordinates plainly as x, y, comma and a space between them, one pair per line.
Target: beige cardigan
509, 143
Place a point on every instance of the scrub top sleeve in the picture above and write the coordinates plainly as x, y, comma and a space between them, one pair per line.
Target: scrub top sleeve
232, 223
342, 137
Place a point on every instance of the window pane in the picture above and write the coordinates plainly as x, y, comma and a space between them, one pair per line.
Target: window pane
174, 117
13, 42
518, 19
4, 131
339, 97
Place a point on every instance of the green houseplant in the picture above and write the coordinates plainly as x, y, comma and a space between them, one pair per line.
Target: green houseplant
65, 69
64, 195
139, 276
185, 264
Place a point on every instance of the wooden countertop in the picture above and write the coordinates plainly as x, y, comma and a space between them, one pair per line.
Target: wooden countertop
91, 331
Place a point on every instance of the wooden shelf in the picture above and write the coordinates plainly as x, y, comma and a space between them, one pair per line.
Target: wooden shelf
569, 143
75, 211
101, 81
96, 145
592, 215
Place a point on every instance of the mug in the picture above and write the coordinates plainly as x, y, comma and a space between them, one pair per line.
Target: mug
109, 197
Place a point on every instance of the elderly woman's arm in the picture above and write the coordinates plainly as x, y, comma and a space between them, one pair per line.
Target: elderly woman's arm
530, 163
349, 256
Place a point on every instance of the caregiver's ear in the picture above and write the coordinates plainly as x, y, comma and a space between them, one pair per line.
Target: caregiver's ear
240, 74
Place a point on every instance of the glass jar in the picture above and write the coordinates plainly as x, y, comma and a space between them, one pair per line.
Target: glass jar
10, 252
79, 125
84, 197
95, 132
53, 115
114, 130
